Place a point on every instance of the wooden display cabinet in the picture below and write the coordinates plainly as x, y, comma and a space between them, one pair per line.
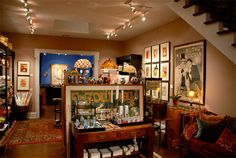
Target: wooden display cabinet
103, 139
125, 100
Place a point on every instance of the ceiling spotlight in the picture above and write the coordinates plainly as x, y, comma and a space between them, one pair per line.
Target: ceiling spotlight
124, 26
116, 35
28, 17
26, 4
133, 9
143, 17
30, 21
23, 1
108, 36
32, 31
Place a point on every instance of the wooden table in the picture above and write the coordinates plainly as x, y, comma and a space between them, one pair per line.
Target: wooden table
144, 133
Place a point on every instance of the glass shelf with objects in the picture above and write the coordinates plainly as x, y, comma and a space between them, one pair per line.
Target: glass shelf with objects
92, 106
6, 86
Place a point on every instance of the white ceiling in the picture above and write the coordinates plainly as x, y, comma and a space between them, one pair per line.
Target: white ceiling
83, 18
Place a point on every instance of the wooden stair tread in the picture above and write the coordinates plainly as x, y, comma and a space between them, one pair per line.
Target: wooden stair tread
199, 12
210, 21
188, 5
224, 32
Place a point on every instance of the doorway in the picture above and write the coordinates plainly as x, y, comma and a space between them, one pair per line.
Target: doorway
40, 97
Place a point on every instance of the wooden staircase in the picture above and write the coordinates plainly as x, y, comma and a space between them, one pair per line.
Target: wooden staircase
213, 19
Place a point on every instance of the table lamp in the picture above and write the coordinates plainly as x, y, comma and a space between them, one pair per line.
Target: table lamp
107, 66
191, 95
83, 64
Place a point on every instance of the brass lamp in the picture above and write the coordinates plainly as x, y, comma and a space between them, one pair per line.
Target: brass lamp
109, 65
191, 95
130, 69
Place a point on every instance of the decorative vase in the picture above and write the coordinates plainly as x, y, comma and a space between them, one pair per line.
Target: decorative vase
175, 102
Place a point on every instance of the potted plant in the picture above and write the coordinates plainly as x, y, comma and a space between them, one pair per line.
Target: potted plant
175, 99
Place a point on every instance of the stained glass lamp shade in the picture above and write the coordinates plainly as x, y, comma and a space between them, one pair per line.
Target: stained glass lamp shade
83, 64
109, 65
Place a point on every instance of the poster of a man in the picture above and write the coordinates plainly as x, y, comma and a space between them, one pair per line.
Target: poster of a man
189, 71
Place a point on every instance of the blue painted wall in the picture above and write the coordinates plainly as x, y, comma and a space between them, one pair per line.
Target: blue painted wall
48, 59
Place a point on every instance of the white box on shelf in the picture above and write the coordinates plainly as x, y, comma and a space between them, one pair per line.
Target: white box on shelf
116, 150
105, 152
136, 148
85, 153
94, 153
131, 148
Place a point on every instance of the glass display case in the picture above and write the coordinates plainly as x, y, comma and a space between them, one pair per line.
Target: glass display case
6, 83
117, 103
89, 104
152, 95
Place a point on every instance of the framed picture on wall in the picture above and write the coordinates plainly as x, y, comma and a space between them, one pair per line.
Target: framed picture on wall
147, 55
165, 51
189, 71
23, 68
155, 94
165, 71
57, 73
155, 70
155, 53
23, 83
165, 91
147, 70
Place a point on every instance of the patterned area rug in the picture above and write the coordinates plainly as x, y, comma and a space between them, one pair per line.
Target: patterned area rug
34, 132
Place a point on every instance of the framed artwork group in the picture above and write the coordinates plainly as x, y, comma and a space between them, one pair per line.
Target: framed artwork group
23, 75
157, 65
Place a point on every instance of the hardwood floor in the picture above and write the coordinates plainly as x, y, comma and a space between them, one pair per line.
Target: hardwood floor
44, 150
56, 149
160, 152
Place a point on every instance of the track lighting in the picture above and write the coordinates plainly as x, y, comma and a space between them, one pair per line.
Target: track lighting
139, 12
28, 16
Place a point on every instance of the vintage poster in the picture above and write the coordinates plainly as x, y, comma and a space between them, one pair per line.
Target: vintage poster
165, 71
147, 55
155, 70
148, 70
57, 73
165, 51
23, 83
23, 68
189, 67
155, 53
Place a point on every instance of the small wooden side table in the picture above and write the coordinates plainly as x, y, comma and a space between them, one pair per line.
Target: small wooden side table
165, 120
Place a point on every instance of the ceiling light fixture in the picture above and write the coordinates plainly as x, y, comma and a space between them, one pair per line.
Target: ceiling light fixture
28, 16
139, 11
143, 17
